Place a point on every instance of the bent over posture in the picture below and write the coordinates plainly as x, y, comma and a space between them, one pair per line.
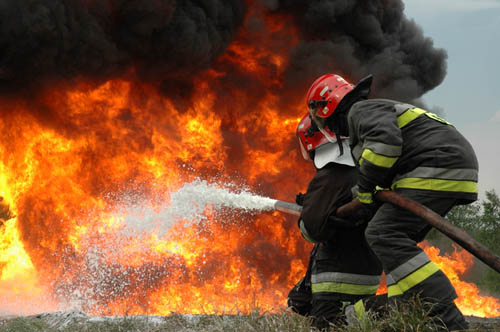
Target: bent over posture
415, 153
342, 267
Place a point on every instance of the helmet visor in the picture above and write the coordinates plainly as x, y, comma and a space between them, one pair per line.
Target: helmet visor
320, 122
303, 150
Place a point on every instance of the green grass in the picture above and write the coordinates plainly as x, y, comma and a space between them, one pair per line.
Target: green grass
405, 318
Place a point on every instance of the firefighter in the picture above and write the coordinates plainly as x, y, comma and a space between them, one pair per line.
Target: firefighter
415, 153
342, 268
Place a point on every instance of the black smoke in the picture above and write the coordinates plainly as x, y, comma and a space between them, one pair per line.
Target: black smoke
357, 38
46, 42
168, 41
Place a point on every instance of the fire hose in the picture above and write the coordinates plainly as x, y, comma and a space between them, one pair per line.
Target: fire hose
431, 217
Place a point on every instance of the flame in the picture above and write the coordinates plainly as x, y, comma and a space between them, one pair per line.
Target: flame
455, 265
86, 171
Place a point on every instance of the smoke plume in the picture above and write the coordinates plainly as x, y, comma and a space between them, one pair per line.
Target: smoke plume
357, 38
45, 42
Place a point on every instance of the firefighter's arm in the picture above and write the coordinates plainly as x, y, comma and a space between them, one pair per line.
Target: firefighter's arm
329, 189
376, 127
355, 210
334, 222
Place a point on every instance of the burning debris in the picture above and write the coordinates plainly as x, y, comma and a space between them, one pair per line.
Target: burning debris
108, 108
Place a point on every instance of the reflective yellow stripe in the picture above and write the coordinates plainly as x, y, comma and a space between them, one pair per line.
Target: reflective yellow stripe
436, 185
437, 118
377, 159
409, 116
413, 113
412, 279
365, 198
339, 287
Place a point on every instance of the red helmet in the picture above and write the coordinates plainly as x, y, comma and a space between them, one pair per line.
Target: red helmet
325, 94
309, 137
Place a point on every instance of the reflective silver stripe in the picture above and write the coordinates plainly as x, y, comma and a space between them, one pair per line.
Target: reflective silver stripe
349, 278
406, 268
401, 108
465, 174
356, 152
304, 231
325, 89
383, 149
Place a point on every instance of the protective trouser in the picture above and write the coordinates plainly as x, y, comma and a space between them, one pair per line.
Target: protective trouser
342, 276
393, 234
300, 296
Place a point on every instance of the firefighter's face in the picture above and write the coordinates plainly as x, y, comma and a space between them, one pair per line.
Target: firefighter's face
314, 108
320, 123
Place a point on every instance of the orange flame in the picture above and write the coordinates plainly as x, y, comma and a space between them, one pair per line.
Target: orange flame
469, 301
87, 171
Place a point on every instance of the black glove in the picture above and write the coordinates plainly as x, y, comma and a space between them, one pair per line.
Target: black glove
299, 199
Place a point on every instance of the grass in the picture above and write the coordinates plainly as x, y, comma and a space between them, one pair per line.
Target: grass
405, 318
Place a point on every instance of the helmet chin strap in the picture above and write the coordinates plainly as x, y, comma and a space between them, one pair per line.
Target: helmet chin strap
338, 124
341, 146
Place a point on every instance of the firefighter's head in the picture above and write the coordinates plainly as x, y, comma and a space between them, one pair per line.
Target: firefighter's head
310, 137
329, 99
316, 147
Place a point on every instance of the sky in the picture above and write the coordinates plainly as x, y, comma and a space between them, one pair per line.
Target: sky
469, 96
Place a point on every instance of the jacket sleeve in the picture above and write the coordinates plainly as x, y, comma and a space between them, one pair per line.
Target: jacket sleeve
329, 189
374, 126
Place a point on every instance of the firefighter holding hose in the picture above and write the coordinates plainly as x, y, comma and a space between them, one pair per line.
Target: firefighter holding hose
415, 153
342, 268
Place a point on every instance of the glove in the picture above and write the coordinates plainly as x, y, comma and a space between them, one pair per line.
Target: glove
369, 206
359, 210
365, 197
299, 199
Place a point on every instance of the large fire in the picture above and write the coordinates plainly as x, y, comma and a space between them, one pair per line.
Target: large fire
86, 187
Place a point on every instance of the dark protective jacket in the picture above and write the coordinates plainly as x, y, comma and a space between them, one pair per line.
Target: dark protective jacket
330, 188
344, 264
398, 145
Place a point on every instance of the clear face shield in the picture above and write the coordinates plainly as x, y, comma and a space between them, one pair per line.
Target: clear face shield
304, 152
314, 108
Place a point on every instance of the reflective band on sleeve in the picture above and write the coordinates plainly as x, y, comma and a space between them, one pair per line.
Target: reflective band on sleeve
412, 280
350, 278
383, 149
377, 159
409, 115
436, 185
469, 174
356, 153
365, 198
303, 231
343, 288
